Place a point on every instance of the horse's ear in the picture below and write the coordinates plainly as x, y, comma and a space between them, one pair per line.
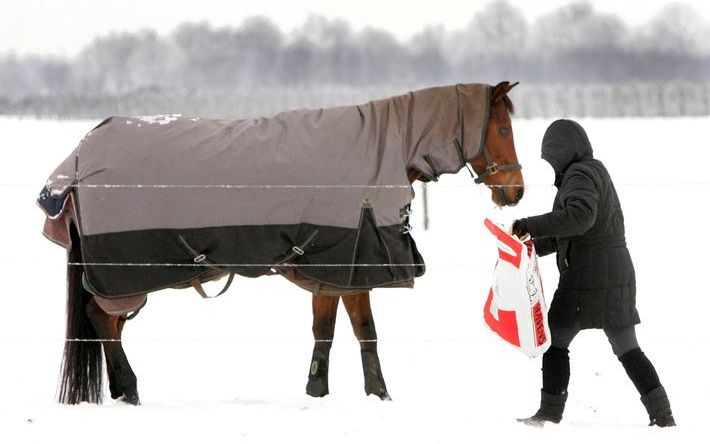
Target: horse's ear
500, 90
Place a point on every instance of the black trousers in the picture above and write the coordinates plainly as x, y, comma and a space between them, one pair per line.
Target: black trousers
622, 339
555, 362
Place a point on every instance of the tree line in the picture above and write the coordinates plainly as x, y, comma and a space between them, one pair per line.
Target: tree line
573, 45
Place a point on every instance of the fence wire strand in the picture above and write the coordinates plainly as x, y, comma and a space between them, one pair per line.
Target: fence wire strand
316, 186
276, 340
224, 265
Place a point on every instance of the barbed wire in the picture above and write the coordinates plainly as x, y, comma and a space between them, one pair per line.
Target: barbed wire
236, 340
287, 265
233, 186
290, 265
281, 340
215, 265
264, 186
437, 185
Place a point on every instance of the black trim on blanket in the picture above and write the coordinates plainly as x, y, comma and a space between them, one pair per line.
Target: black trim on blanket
259, 246
486, 119
434, 169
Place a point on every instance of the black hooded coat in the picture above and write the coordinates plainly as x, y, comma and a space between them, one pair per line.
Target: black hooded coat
586, 230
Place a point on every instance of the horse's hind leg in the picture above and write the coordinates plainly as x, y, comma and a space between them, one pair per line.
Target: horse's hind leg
358, 307
122, 380
325, 308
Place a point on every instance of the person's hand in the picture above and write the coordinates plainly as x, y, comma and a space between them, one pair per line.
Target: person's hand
518, 228
512, 227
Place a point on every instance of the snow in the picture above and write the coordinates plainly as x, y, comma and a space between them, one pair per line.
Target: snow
234, 369
160, 119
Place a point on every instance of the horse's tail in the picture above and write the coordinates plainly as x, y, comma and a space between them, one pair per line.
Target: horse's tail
82, 363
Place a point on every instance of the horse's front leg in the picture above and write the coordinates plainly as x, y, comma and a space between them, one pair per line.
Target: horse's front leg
325, 308
122, 380
358, 307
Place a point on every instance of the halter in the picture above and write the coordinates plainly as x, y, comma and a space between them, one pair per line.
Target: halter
493, 168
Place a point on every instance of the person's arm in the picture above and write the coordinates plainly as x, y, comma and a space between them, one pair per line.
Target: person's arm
580, 201
545, 245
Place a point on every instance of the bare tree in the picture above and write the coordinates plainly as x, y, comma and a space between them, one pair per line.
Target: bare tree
121, 62
427, 56
492, 45
578, 43
574, 44
677, 29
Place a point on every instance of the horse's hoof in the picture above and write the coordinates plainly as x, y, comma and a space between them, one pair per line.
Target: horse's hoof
131, 399
383, 395
377, 387
317, 387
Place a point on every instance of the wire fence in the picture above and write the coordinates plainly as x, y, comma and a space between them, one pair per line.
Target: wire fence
491, 339
317, 186
273, 265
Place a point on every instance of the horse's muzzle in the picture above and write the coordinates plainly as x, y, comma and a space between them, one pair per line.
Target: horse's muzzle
507, 196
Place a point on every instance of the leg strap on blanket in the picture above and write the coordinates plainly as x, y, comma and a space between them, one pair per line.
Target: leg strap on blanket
197, 285
200, 258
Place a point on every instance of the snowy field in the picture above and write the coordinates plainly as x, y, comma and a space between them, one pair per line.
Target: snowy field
234, 369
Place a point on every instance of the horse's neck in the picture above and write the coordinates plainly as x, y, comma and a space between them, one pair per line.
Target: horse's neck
429, 124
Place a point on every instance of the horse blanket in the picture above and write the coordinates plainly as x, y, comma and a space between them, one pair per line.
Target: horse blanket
321, 196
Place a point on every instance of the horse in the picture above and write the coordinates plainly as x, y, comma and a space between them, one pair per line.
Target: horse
507, 189
94, 333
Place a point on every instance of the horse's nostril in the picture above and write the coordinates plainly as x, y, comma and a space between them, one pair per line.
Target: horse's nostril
519, 194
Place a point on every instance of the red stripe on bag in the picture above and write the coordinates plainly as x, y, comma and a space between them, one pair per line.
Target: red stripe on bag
529, 243
506, 325
539, 321
515, 245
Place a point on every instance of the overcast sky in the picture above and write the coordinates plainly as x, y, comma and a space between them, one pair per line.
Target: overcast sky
63, 27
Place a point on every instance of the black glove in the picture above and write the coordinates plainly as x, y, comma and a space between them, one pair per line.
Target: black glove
520, 228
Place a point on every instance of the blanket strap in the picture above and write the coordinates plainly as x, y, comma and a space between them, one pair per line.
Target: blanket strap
200, 258
298, 250
197, 285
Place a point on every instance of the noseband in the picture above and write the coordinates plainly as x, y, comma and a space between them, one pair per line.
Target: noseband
493, 168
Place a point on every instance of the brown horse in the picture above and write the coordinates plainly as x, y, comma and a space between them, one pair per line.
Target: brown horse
93, 333
507, 188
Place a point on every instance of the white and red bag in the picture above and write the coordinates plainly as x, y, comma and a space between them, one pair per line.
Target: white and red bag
515, 308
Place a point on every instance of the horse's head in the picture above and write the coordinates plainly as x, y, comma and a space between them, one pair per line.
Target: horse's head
497, 165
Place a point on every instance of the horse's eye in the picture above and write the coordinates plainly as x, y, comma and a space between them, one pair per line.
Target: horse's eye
503, 131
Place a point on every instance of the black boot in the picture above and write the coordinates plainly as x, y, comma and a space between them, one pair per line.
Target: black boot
658, 408
653, 395
551, 409
553, 396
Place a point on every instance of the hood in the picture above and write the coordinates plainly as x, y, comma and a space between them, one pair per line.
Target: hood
441, 127
564, 143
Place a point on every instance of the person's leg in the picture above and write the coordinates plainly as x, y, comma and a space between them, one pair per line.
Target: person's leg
642, 373
555, 375
555, 361
622, 339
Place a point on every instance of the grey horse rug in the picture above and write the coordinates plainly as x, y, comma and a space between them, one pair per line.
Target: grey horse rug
320, 196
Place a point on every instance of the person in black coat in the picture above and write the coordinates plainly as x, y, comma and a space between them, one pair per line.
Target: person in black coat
597, 286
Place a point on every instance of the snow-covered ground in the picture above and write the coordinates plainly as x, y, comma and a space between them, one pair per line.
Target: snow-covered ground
234, 369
